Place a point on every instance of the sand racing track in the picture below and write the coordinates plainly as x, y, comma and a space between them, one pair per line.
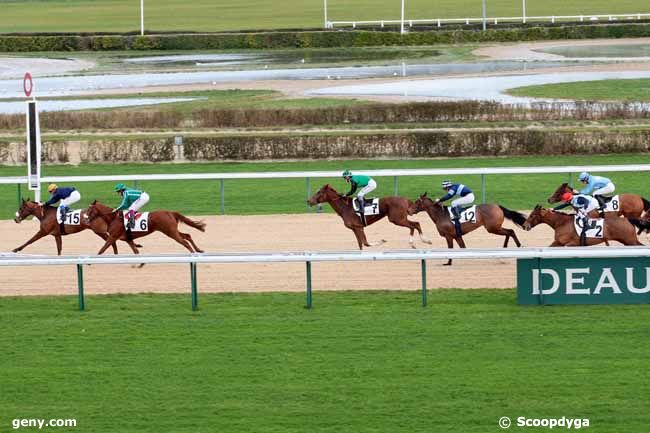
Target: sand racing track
309, 232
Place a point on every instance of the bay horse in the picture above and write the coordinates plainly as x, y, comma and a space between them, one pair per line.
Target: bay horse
630, 205
159, 221
395, 208
615, 229
49, 225
490, 216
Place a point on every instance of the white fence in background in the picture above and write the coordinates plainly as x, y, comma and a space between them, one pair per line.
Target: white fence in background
325, 256
439, 22
308, 175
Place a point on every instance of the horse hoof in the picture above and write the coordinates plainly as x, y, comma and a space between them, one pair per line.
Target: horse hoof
138, 246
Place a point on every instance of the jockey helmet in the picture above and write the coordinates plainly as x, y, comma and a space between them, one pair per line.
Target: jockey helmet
347, 173
584, 177
120, 187
52, 187
446, 184
567, 196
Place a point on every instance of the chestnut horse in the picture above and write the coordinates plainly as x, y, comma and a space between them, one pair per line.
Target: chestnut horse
615, 229
159, 221
490, 216
630, 206
49, 225
395, 208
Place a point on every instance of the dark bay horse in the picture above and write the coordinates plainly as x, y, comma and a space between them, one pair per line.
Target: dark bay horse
630, 206
49, 225
159, 221
615, 229
395, 208
490, 216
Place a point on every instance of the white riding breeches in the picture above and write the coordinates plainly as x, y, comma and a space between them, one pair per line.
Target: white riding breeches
366, 189
461, 201
136, 205
72, 198
593, 205
606, 190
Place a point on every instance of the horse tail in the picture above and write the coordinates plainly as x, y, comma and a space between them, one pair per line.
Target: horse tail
199, 225
515, 217
641, 225
646, 204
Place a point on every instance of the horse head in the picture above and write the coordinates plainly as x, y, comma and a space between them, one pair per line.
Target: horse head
534, 218
324, 195
27, 208
557, 195
418, 205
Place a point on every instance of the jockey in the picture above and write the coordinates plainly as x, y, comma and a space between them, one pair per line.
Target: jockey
366, 183
65, 197
132, 199
465, 197
597, 186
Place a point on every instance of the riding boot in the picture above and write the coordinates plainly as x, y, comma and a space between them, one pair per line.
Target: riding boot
456, 219
131, 223
601, 205
362, 211
583, 234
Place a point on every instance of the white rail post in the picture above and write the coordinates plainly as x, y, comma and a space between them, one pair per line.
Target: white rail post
401, 28
325, 11
523, 11
141, 17
484, 15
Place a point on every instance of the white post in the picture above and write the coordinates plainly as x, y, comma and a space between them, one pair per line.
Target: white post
401, 31
141, 17
523, 9
325, 11
484, 15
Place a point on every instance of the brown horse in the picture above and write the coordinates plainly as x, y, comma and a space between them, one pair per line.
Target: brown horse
159, 221
490, 216
615, 229
629, 206
49, 225
395, 208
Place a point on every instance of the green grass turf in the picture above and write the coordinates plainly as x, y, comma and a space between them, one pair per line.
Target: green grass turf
289, 195
206, 15
601, 90
358, 362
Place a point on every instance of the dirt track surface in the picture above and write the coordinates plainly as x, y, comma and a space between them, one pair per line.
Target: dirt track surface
311, 232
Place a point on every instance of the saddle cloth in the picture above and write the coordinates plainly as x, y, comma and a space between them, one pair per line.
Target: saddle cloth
466, 216
141, 222
72, 218
370, 208
597, 232
613, 205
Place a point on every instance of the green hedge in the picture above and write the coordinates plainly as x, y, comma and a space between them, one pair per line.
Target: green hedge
315, 39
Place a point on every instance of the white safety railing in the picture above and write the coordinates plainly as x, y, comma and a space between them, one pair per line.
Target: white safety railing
308, 175
439, 22
325, 256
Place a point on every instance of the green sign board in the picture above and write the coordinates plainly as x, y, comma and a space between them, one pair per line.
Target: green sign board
613, 280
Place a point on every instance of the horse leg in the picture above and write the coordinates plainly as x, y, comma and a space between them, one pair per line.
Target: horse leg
362, 240
39, 234
109, 241
450, 245
402, 221
188, 238
175, 235
59, 245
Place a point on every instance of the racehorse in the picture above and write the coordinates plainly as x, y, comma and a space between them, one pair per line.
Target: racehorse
629, 206
490, 216
615, 229
395, 208
159, 221
49, 225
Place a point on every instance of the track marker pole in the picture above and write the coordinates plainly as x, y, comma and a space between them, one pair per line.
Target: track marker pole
483, 191
80, 287
195, 295
18, 195
222, 190
308, 268
423, 267
395, 186
308, 182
